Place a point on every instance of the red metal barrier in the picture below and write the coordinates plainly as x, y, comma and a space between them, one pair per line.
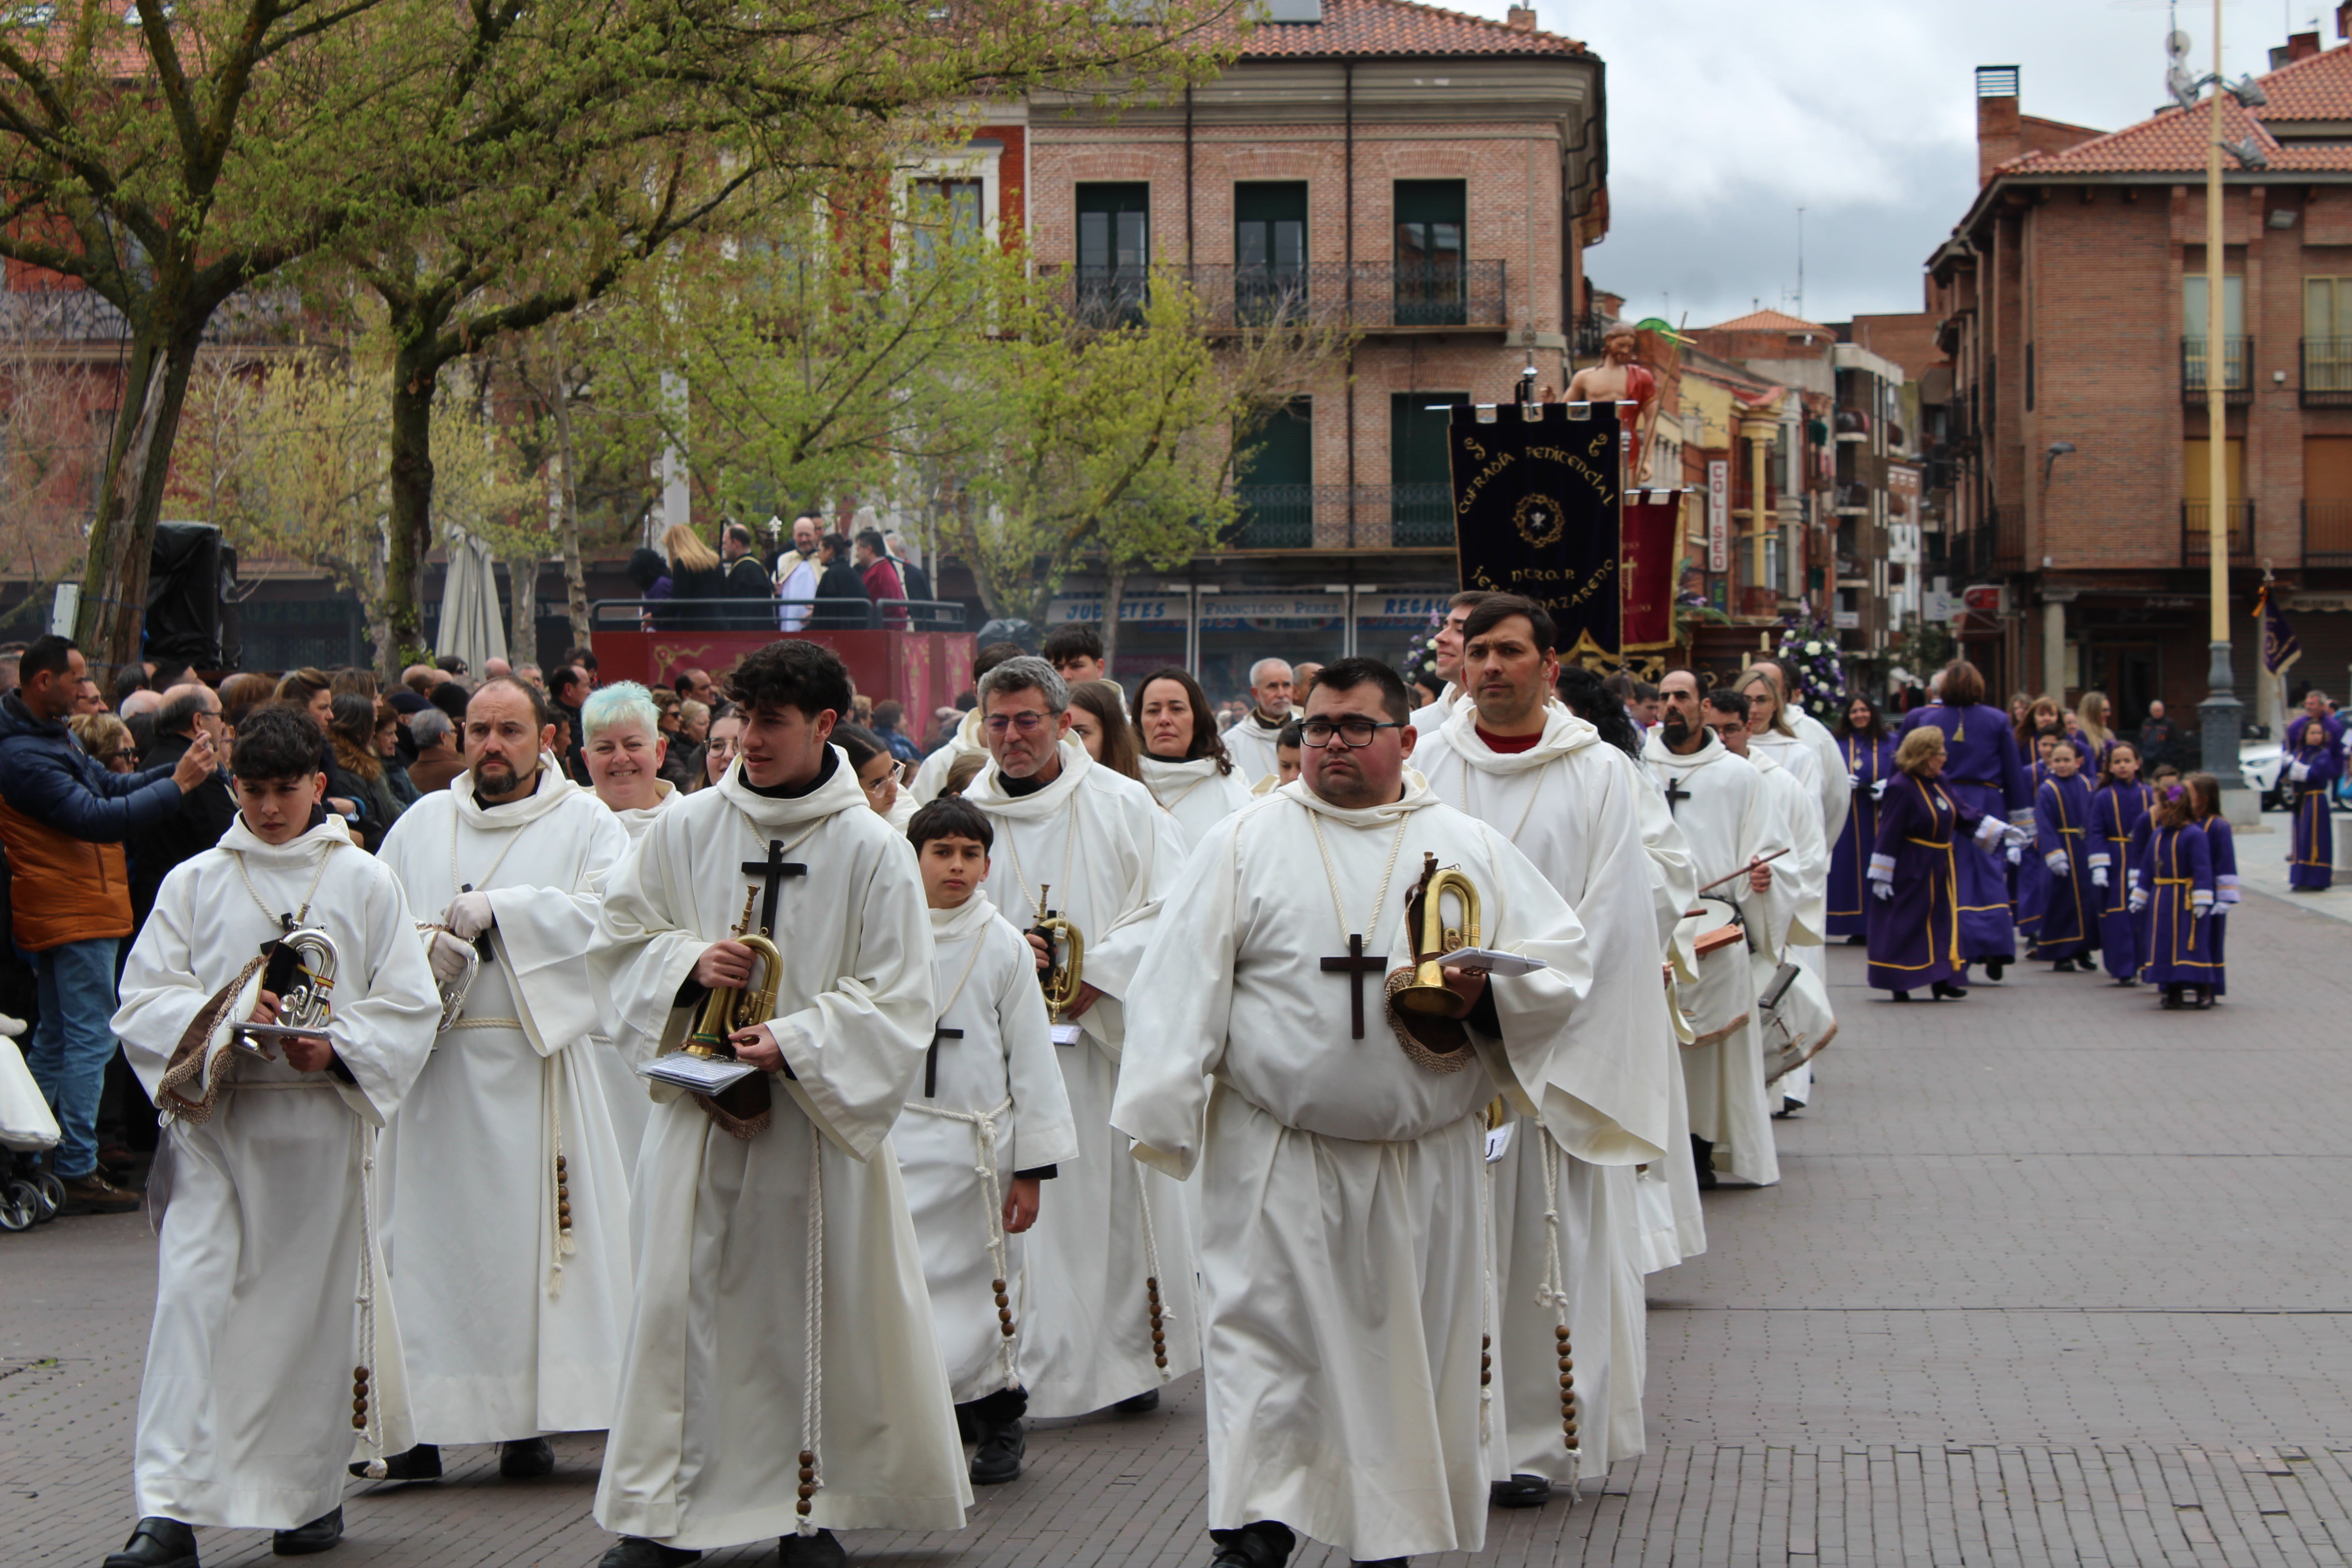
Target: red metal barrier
922, 669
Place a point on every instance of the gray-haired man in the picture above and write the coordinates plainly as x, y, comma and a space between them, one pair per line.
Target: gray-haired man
1110, 1303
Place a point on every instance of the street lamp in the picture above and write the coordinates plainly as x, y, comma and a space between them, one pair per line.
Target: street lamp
2219, 716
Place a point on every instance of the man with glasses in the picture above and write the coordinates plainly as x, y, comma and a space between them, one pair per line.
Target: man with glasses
204, 811
1731, 822
1110, 1301
1344, 1247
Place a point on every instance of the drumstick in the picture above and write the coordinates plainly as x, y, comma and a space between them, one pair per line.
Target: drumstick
1759, 860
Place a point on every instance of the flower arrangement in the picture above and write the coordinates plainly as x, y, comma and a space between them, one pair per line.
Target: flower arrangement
1808, 651
1420, 661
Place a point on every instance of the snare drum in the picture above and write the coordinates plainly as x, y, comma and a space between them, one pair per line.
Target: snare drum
1720, 1001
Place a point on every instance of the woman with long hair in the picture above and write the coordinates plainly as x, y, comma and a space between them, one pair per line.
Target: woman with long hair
2094, 716
356, 773
2312, 769
2118, 807
1098, 718
1869, 754
2042, 713
1770, 731
695, 573
1916, 874
1600, 704
726, 739
1184, 764
877, 773
1983, 771
2175, 892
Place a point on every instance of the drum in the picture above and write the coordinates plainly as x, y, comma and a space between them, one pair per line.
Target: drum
1720, 1001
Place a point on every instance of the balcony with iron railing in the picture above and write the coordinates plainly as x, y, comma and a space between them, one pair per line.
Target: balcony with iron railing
1994, 547
2237, 369
2197, 537
1342, 517
2327, 533
1366, 296
2327, 372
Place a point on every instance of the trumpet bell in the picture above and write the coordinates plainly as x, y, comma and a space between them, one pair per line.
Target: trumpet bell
1428, 995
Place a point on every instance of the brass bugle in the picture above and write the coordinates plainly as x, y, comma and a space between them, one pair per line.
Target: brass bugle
1428, 994
1066, 957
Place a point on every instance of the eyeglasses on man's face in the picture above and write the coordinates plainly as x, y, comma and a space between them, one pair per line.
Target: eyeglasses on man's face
1028, 721
1355, 734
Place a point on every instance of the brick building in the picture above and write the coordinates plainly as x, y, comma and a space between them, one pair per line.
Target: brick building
2070, 463
1439, 177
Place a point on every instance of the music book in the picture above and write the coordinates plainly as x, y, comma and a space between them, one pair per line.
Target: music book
703, 1075
1492, 962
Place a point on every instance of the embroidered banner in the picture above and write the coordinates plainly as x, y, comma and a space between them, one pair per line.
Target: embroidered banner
1536, 513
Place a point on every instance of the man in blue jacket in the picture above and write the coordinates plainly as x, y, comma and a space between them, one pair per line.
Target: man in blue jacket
63, 818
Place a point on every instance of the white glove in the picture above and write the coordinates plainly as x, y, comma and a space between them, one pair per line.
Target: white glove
1853, 781
2298, 772
2058, 863
1990, 829
1882, 890
2016, 853
2137, 902
2098, 876
468, 915
448, 956
1878, 790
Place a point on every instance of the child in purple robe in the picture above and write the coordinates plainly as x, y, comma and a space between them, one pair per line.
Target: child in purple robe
2028, 875
2069, 932
1915, 934
2307, 781
2222, 852
1868, 753
2174, 894
2118, 809
1983, 771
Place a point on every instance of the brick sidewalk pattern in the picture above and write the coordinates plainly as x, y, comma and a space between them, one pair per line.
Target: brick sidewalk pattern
2052, 1278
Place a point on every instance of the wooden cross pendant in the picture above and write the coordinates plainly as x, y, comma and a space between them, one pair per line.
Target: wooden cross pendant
931, 1060
771, 871
1355, 966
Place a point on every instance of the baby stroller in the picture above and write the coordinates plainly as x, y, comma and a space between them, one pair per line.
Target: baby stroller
30, 1194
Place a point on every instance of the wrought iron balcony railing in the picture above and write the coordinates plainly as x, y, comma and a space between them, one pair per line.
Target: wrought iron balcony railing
2237, 369
1373, 297
2197, 538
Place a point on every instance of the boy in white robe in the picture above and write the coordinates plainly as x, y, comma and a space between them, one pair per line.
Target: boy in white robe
990, 1123
783, 1375
1346, 1262
506, 1193
269, 1288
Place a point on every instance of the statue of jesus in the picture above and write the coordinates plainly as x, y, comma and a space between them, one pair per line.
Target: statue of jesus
1618, 379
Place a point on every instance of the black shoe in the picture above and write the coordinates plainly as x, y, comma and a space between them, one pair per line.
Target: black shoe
1993, 967
422, 1463
315, 1536
818, 1550
1703, 1156
1857, 942
1142, 1403
636, 1551
998, 1461
157, 1543
1902, 995
2127, 980
1945, 991
2169, 998
526, 1458
1519, 1491
94, 1194
1266, 1545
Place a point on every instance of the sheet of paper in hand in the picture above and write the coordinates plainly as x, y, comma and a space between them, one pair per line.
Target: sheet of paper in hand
1492, 962
703, 1075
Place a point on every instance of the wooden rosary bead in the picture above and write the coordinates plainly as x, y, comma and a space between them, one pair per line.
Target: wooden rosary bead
1003, 1300
1007, 1328
1160, 1362
1566, 1381
807, 1457
359, 1375
996, 1285
807, 1475
359, 1423
358, 1407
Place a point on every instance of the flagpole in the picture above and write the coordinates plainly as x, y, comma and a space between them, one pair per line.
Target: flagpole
2219, 717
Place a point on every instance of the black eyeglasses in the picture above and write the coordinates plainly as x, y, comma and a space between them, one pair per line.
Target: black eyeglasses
1356, 733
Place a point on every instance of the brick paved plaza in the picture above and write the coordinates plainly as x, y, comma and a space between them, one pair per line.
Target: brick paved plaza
2052, 1278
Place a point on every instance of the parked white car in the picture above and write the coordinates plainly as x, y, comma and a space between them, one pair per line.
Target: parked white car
2260, 763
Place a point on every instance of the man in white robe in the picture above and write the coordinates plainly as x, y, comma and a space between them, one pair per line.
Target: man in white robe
1188, 771
783, 1375
967, 741
1730, 824
267, 1288
1346, 1256
1447, 647
1543, 778
506, 1193
989, 1127
1837, 794
1249, 740
1803, 1006
1110, 1262
1666, 1196
621, 743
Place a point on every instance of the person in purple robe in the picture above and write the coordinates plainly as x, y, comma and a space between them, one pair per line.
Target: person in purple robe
2029, 875
2062, 817
1917, 871
1982, 771
2222, 853
2118, 809
1868, 752
2312, 766
2174, 896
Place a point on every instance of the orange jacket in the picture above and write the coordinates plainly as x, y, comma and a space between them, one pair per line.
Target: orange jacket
62, 889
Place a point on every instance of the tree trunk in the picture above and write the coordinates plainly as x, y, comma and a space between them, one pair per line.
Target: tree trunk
113, 606
379, 623
415, 370
1113, 592
522, 609
575, 579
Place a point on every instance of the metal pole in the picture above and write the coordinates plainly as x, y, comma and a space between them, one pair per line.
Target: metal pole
2220, 721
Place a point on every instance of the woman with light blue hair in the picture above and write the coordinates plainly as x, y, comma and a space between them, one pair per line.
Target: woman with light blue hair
620, 733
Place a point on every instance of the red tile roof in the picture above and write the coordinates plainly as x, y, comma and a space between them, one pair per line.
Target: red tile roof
1765, 321
2174, 139
1397, 28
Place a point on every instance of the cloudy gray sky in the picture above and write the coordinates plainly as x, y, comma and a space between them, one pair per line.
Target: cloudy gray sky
1724, 117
